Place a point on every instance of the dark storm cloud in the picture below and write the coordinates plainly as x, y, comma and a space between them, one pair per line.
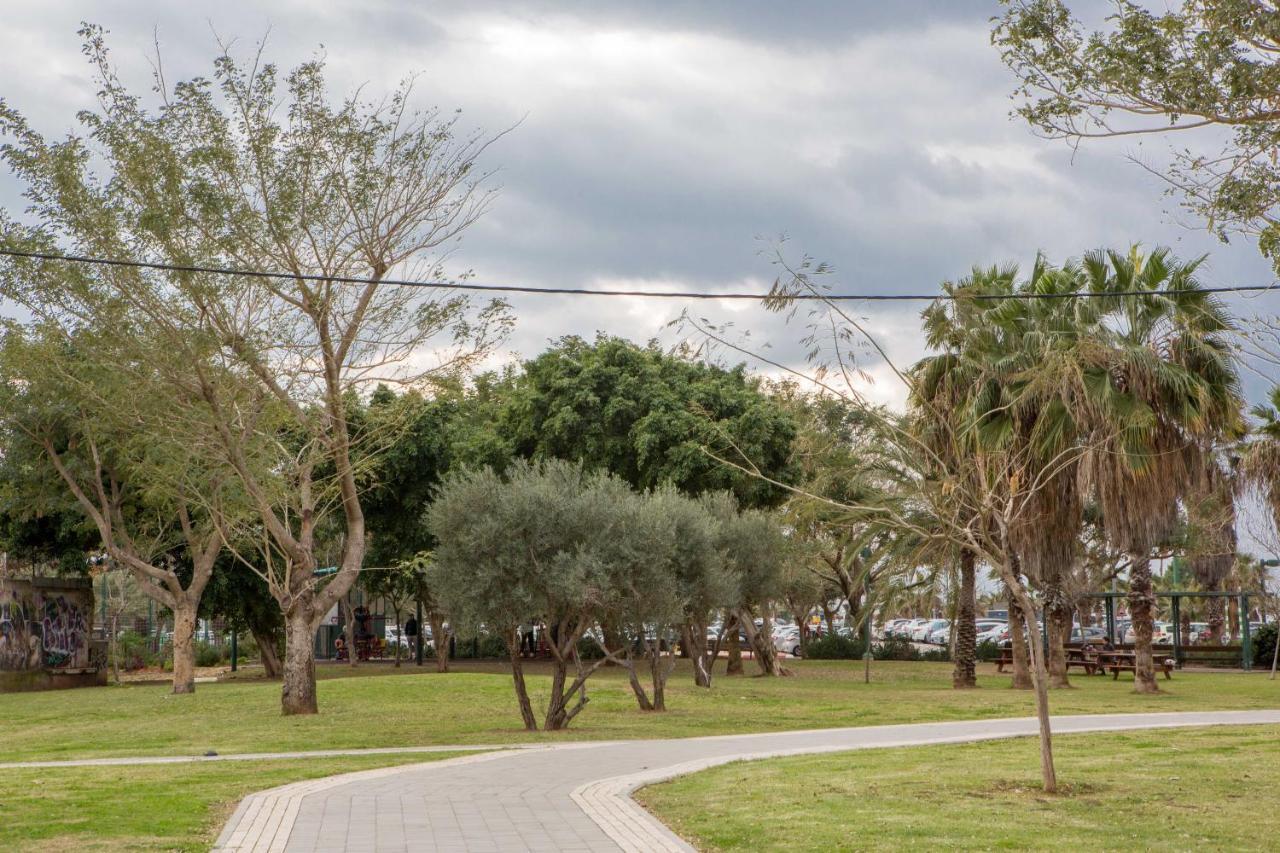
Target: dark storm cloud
659, 142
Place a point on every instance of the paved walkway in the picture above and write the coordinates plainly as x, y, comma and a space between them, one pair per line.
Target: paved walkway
575, 796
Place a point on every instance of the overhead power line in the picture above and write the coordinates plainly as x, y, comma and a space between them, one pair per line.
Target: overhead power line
586, 291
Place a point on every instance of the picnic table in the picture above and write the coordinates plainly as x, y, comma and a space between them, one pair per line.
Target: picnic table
1097, 661
1119, 662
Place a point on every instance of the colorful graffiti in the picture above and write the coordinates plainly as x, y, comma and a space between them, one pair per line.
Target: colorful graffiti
65, 631
19, 647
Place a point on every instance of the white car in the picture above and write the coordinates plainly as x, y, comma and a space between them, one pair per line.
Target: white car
993, 633
787, 639
940, 636
1161, 634
921, 634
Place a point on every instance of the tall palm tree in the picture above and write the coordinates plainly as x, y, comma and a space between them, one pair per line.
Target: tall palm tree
1164, 389
1011, 368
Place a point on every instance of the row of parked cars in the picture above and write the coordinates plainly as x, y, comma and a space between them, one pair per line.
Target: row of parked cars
937, 632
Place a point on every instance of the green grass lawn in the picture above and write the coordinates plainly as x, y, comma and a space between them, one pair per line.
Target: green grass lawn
182, 806
1190, 789
477, 705
156, 807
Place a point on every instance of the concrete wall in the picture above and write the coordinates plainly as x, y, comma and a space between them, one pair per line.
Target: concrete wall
45, 634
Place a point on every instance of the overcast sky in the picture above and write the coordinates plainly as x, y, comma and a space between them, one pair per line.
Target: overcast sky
666, 144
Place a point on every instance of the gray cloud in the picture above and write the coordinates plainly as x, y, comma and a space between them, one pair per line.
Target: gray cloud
661, 140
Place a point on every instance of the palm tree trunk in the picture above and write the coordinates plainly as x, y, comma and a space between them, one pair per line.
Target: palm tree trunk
965, 674
1142, 603
1058, 614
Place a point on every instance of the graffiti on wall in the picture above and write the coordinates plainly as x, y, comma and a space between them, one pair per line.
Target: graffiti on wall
65, 630
19, 645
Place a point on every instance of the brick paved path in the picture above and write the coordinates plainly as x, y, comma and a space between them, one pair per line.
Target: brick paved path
574, 796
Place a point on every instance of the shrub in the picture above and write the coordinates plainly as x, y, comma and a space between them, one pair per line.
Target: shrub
134, 652
834, 647
483, 646
589, 649
895, 648
1264, 645
208, 654
988, 651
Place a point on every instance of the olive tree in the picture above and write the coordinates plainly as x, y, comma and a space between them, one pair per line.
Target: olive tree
529, 546
252, 169
656, 535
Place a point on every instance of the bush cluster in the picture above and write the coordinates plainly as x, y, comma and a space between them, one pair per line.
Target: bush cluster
135, 652
1264, 645
838, 647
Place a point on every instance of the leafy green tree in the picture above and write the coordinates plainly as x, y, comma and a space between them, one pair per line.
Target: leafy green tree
1206, 67
238, 595
643, 602
101, 437
649, 418
397, 585
251, 169
755, 552
529, 546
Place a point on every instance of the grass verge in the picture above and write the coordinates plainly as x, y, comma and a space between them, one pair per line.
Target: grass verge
475, 705
1186, 789
151, 807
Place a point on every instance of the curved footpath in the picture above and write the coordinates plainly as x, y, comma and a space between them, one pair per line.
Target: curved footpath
576, 796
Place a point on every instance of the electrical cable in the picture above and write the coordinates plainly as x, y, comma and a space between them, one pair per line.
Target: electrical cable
582, 291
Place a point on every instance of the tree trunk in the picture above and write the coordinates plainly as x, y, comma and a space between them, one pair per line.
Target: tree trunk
642, 698
1058, 614
658, 673
439, 640
1018, 644
399, 636
557, 710
184, 652
268, 654
115, 648
517, 678
613, 639
734, 665
695, 640
1142, 601
1039, 678
829, 617
965, 674
761, 640
348, 628
298, 695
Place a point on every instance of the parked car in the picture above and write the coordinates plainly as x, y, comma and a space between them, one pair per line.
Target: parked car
904, 630
920, 634
787, 639
890, 628
993, 633
940, 636
1087, 635
1161, 634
